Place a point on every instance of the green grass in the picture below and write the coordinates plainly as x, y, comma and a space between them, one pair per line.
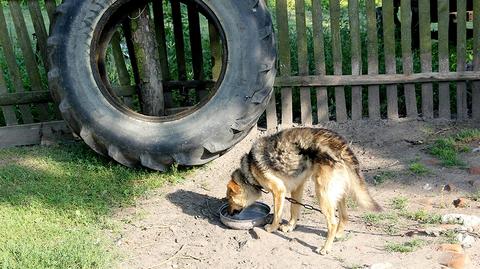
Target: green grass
448, 149
377, 218
418, 168
382, 177
409, 246
422, 216
56, 203
399, 203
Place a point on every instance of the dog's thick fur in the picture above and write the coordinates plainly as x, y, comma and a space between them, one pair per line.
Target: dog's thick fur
282, 163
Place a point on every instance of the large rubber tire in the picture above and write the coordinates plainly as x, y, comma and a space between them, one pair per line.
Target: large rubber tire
132, 139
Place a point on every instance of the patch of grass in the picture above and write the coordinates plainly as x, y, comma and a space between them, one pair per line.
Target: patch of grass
447, 149
418, 168
383, 177
399, 203
449, 236
475, 196
405, 247
377, 218
423, 216
56, 202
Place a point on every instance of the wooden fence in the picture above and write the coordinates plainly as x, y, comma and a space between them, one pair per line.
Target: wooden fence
337, 60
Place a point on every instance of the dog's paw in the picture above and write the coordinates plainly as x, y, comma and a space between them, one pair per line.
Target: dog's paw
270, 228
322, 251
286, 228
340, 235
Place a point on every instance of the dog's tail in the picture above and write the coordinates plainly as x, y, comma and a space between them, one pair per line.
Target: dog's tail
359, 190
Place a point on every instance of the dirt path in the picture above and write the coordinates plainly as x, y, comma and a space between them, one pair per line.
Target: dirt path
178, 226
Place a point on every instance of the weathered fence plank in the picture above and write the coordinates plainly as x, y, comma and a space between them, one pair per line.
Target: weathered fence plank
305, 98
28, 55
120, 66
319, 56
462, 109
426, 56
34, 134
179, 40
443, 58
476, 60
390, 59
340, 104
372, 48
381, 79
353, 10
284, 60
50, 5
8, 111
12, 65
196, 47
407, 57
40, 30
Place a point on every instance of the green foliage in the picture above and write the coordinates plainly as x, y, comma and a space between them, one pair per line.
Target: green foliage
423, 216
377, 218
399, 203
55, 203
448, 149
418, 168
409, 246
382, 177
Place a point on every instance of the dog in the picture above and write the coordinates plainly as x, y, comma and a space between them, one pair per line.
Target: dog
283, 163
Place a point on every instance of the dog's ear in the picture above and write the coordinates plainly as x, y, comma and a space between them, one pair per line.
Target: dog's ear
233, 186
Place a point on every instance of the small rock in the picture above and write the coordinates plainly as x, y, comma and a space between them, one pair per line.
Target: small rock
383, 265
447, 188
427, 187
465, 220
466, 240
450, 248
434, 231
474, 170
460, 202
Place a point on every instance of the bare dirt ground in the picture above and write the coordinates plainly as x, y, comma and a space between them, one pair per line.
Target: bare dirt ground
178, 226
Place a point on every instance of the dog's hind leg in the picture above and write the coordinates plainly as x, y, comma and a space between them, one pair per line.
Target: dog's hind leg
343, 215
328, 211
294, 210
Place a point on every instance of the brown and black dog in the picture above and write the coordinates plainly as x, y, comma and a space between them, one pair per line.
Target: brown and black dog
283, 162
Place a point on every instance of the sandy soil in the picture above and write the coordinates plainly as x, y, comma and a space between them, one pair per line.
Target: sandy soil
178, 226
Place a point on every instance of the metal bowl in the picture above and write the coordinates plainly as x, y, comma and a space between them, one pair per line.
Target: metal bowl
252, 216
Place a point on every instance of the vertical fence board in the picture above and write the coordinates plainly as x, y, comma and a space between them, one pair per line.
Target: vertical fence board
462, 110
14, 72
196, 47
284, 60
120, 66
443, 58
158, 19
40, 30
340, 104
8, 111
353, 11
476, 60
410, 96
28, 55
390, 60
50, 5
372, 48
319, 55
305, 99
216, 51
179, 42
426, 56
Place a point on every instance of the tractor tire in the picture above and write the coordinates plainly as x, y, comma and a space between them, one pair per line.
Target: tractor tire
133, 139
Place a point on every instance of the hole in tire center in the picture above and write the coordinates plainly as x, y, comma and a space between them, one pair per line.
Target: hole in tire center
164, 59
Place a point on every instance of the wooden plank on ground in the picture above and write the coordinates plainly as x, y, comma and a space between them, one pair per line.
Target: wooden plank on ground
462, 109
8, 111
372, 47
407, 57
28, 55
426, 57
476, 60
34, 134
340, 102
353, 11
319, 55
390, 59
284, 60
443, 58
13, 70
305, 98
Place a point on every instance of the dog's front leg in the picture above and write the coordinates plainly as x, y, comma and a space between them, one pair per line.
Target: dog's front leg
278, 200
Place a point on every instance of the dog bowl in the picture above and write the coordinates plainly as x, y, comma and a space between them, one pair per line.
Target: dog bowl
252, 216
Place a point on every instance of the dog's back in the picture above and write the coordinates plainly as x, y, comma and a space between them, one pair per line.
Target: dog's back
290, 152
